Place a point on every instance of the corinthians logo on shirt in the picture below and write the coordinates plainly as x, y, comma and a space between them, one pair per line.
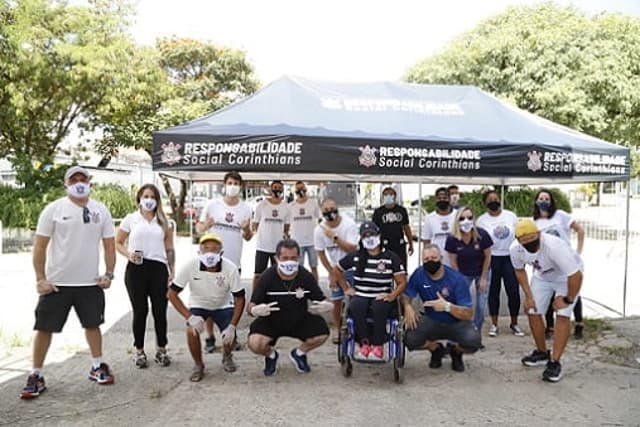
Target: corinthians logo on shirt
381, 267
229, 217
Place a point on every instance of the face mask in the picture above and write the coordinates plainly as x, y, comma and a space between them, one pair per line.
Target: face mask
466, 225
331, 215
454, 198
288, 268
301, 193
543, 205
148, 204
209, 259
432, 267
371, 242
533, 246
231, 190
79, 190
493, 206
276, 193
388, 199
442, 205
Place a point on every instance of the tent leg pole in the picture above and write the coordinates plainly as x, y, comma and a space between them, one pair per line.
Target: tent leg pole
420, 223
191, 202
626, 252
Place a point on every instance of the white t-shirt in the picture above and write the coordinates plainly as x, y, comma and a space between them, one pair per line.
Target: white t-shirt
436, 229
73, 253
211, 291
271, 220
501, 229
558, 225
227, 225
145, 236
347, 230
554, 261
304, 218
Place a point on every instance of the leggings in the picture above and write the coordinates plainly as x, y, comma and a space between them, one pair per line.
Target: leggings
577, 312
379, 311
144, 282
502, 271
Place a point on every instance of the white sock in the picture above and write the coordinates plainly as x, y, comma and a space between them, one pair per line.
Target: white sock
37, 371
272, 355
96, 362
300, 352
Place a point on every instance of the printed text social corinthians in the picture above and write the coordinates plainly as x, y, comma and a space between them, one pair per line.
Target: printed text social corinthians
242, 154
429, 158
584, 163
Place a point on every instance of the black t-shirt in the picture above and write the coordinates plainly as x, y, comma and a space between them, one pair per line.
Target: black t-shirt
391, 223
291, 295
378, 274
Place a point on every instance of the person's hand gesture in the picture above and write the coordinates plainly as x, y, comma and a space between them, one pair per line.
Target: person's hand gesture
437, 304
264, 310
410, 318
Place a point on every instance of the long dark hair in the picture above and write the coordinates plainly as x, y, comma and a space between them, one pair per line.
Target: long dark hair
552, 208
159, 212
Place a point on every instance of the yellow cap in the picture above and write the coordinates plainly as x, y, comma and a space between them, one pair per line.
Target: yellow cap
525, 226
210, 236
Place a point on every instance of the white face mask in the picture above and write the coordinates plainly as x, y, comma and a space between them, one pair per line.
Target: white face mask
231, 190
79, 190
209, 259
454, 198
371, 242
466, 225
148, 204
288, 268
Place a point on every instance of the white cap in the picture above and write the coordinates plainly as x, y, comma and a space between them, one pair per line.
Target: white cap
74, 170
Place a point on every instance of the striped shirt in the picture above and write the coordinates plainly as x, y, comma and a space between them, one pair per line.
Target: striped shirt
378, 275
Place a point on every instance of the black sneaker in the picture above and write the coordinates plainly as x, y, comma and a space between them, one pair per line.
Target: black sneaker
35, 386
210, 344
578, 332
436, 357
536, 358
553, 372
300, 362
270, 365
456, 360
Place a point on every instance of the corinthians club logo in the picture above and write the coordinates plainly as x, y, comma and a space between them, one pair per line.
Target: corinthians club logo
534, 164
368, 156
170, 153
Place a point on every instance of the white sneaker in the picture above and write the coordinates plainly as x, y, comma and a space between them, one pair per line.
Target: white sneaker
493, 331
515, 329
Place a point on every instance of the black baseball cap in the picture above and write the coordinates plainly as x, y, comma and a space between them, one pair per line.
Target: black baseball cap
369, 227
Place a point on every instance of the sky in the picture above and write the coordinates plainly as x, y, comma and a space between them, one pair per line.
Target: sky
339, 40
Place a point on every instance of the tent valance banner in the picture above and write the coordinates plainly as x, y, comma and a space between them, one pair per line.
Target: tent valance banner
384, 131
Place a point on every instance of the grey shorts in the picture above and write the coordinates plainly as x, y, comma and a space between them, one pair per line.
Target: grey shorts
312, 255
462, 332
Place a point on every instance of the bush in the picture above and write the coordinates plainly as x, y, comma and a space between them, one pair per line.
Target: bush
116, 198
519, 201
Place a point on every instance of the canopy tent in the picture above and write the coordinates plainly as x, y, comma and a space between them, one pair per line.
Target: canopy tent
297, 128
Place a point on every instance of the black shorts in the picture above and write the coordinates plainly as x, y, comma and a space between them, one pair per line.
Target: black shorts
463, 332
53, 309
262, 259
308, 327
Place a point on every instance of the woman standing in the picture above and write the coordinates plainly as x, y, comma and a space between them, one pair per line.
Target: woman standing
500, 224
469, 249
552, 220
145, 239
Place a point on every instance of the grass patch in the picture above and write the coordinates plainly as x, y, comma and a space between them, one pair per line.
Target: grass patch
593, 328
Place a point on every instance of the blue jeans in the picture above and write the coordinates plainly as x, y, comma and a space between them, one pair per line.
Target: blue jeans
481, 300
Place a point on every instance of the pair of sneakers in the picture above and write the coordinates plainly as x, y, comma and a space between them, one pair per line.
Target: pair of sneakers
553, 369
515, 330
299, 362
161, 358
456, 357
371, 352
36, 383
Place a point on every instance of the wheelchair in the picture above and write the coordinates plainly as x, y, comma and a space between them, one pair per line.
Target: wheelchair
395, 351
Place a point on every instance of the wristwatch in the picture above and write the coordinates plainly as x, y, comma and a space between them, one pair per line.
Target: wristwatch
447, 307
568, 300
109, 275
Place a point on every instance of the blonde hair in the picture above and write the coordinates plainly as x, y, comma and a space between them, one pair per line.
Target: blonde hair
158, 211
475, 236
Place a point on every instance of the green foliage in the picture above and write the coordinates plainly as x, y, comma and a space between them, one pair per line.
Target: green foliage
555, 62
116, 198
519, 201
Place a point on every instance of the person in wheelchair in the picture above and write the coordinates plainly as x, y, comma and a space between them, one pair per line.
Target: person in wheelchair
373, 293
448, 311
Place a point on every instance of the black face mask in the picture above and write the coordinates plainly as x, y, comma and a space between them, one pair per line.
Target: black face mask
493, 206
301, 193
331, 215
532, 246
442, 205
432, 267
277, 193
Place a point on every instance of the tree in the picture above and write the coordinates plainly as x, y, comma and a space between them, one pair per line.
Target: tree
58, 64
181, 80
582, 72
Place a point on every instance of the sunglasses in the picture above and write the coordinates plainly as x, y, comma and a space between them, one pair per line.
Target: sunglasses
86, 218
466, 217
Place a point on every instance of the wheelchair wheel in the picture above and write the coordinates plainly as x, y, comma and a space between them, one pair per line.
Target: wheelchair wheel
403, 350
398, 373
346, 366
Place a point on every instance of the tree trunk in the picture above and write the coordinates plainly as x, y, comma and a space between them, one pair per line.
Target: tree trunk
177, 203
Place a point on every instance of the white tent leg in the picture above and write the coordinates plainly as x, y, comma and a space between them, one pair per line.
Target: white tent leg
626, 252
420, 223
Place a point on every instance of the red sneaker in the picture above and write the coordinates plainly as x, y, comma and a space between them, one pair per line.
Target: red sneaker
101, 375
